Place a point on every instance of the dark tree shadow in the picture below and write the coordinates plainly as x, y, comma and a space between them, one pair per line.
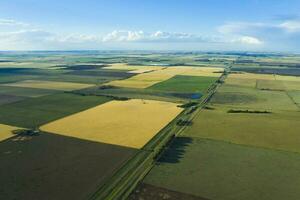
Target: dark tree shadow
176, 150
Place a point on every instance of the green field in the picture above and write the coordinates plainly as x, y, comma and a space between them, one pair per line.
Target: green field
223, 171
264, 130
185, 84
295, 95
25, 92
244, 97
31, 113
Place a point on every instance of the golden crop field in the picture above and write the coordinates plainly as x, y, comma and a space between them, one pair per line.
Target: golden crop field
6, 131
202, 71
133, 68
129, 123
148, 79
53, 85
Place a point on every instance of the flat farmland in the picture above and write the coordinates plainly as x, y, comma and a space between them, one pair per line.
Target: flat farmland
270, 85
143, 80
201, 71
295, 95
250, 76
33, 112
292, 85
50, 166
245, 97
241, 82
7, 131
130, 123
137, 69
54, 85
185, 84
223, 171
25, 92
264, 130
146, 80
6, 98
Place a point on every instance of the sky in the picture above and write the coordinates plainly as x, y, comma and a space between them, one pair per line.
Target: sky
190, 25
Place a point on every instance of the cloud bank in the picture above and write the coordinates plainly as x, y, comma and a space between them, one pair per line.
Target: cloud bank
240, 35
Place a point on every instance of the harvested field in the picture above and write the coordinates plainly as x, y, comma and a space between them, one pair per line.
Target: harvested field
33, 112
49, 166
185, 84
219, 170
263, 130
6, 98
51, 85
6, 131
129, 123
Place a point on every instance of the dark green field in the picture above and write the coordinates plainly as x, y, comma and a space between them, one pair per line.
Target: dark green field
34, 112
49, 166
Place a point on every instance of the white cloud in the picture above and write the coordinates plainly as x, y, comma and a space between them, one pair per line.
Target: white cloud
158, 36
77, 38
247, 40
123, 36
239, 27
11, 22
291, 26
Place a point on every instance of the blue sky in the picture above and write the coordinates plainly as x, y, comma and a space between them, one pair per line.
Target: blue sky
255, 25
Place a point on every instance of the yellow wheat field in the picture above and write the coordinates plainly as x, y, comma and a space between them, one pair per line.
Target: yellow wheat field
6, 131
133, 68
148, 79
53, 85
129, 123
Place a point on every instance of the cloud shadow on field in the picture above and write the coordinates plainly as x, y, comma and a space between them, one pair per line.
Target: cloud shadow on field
176, 150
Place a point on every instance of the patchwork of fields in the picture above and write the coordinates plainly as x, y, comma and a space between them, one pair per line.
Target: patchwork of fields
65, 86
78, 126
244, 144
91, 125
146, 80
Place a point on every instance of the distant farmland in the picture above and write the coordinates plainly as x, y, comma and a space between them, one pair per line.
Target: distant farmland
139, 125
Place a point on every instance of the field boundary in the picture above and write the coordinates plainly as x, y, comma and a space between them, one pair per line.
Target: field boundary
125, 180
